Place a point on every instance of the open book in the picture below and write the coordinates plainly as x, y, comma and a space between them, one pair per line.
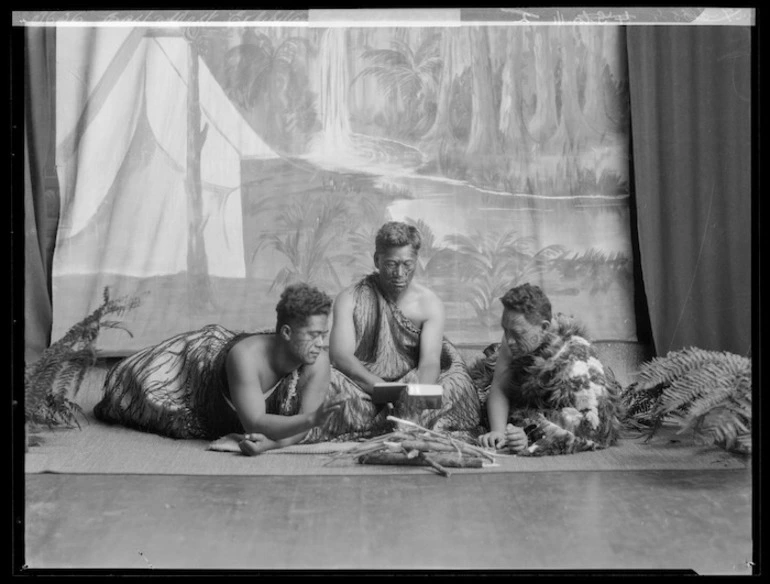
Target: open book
420, 395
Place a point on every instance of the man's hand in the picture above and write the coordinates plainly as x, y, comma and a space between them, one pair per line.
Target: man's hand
325, 411
492, 440
253, 444
516, 438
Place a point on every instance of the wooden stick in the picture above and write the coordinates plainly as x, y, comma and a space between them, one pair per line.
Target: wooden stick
436, 446
427, 446
441, 470
356, 451
400, 458
367, 446
451, 440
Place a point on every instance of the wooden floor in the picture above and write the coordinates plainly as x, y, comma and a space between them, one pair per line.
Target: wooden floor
669, 520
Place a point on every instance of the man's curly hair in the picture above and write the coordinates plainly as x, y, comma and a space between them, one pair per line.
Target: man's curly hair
530, 301
397, 234
299, 302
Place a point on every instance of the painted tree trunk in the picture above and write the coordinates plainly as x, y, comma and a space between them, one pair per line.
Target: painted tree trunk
441, 131
594, 110
572, 131
397, 98
512, 125
199, 284
544, 120
483, 139
615, 91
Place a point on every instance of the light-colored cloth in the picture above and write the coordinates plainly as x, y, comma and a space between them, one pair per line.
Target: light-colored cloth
178, 388
561, 394
388, 344
266, 395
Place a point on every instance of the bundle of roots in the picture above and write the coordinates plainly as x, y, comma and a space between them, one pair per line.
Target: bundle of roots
413, 445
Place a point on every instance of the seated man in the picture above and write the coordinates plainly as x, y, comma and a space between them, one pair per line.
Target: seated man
544, 388
389, 328
267, 387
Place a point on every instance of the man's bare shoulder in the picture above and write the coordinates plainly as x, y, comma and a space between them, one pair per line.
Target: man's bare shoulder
347, 290
345, 296
425, 295
430, 305
248, 350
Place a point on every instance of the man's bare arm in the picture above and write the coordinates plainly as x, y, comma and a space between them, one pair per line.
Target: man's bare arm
431, 338
342, 344
249, 401
498, 402
313, 383
313, 386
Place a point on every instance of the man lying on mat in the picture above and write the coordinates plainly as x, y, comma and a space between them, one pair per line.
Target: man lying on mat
389, 328
545, 390
212, 382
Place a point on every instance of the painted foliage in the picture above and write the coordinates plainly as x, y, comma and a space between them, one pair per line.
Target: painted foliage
280, 151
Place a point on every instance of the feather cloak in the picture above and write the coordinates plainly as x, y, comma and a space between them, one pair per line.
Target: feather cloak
561, 394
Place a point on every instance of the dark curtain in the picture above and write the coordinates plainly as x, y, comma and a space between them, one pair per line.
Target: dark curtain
690, 91
40, 186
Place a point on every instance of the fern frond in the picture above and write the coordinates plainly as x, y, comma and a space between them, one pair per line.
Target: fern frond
723, 429
38, 386
739, 404
63, 365
742, 444
65, 379
681, 392
712, 419
708, 392
664, 370
715, 378
79, 380
718, 396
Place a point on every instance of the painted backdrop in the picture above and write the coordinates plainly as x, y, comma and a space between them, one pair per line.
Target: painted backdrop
202, 169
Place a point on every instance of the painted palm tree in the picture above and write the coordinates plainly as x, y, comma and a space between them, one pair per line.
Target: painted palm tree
596, 270
435, 261
361, 243
308, 238
374, 213
494, 262
269, 83
411, 75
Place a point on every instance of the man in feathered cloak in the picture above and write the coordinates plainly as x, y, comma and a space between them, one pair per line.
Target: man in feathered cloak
389, 328
544, 388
